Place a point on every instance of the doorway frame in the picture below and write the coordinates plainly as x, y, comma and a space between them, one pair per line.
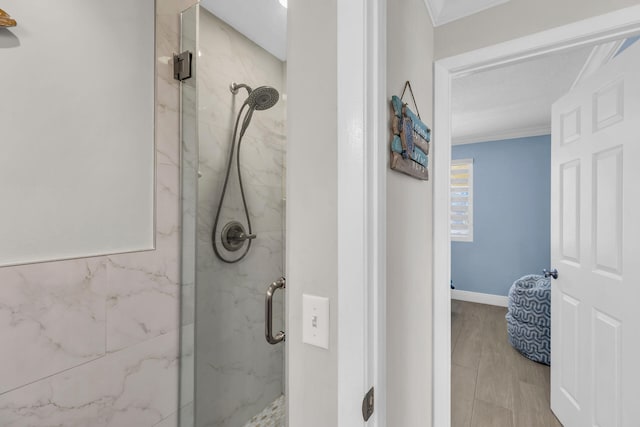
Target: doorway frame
598, 29
361, 120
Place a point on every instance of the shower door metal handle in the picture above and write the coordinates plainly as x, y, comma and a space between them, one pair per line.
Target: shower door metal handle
268, 319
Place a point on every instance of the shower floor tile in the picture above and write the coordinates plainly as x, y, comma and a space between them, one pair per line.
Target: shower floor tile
271, 416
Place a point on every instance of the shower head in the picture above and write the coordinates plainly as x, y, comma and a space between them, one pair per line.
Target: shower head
262, 98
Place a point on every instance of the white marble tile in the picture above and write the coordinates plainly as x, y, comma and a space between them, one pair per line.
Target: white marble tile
261, 163
168, 130
52, 318
167, 43
143, 297
261, 150
168, 127
167, 206
170, 421
135, 387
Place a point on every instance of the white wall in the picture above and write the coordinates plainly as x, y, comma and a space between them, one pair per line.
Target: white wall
517, 18
312, 240
409, 228
94, 341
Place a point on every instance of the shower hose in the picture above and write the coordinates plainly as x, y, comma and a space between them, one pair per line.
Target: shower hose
245, 125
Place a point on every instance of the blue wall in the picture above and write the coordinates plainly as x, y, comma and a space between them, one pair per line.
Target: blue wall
511, 208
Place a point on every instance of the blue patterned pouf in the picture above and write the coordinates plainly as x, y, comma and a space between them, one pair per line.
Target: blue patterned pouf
529, 317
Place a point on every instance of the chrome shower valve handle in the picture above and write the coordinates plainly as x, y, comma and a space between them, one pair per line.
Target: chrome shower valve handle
241, 237
234, 235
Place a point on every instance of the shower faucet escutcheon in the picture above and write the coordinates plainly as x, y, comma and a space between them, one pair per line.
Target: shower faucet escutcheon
234, 235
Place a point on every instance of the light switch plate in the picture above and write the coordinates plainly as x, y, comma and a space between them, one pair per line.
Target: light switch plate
315, 321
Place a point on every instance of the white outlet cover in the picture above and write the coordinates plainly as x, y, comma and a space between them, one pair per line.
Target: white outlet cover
315, 321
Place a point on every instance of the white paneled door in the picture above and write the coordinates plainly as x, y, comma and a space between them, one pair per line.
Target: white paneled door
595, 246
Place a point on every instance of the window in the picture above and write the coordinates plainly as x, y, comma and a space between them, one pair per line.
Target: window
461, 219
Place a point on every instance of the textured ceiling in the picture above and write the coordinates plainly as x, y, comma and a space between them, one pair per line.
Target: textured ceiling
262, 21
514, 100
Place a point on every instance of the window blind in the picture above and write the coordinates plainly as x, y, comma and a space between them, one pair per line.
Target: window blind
461, 214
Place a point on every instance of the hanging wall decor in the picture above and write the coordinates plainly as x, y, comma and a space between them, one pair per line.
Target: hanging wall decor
5, 20
410, 138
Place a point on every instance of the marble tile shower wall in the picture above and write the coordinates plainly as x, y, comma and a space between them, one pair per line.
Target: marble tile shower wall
94, 342
238, 373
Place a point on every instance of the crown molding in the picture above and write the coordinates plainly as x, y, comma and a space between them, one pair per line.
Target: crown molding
438, 9
431, 13
502, 135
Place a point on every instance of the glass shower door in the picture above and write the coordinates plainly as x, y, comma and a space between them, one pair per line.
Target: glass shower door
231, 375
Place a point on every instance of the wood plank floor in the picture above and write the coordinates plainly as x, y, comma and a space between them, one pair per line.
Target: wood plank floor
492, 385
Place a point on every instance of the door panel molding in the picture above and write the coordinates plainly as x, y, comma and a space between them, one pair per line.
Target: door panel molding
608, 105
607, 211
607, 357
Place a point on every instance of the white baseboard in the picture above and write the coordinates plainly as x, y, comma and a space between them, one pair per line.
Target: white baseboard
480, 298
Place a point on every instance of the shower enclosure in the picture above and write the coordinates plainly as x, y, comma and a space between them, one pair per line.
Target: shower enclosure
233, 170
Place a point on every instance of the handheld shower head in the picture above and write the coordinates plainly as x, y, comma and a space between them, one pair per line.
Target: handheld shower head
262, 98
